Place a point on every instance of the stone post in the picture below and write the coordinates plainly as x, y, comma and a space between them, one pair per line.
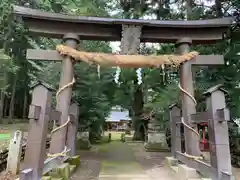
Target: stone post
39, 113
218, 131
15, 152
176, 139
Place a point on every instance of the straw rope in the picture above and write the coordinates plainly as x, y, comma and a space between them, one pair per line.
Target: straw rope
64, 152
189, 127
127, 61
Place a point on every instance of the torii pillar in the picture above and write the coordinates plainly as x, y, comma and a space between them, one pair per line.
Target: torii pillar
63, 101
186, 80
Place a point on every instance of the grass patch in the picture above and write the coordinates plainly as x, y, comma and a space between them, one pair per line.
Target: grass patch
4, 136
9, 128
104, 145
115, 136
107, 146
6, 131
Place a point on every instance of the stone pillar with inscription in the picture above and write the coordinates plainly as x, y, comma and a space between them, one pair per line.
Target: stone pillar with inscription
156, 140
83, 140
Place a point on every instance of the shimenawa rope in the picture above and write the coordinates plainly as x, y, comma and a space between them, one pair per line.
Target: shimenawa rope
190, 128
127, 61
64, 152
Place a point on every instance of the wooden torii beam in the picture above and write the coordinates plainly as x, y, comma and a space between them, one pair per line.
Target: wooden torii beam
54, 25
53, 55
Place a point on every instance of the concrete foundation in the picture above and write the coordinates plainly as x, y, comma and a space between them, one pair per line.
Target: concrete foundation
181, 171
184, 173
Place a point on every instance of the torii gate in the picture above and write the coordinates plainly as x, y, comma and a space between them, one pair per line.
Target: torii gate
131, 32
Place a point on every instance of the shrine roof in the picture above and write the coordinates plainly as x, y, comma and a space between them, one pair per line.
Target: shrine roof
116, 116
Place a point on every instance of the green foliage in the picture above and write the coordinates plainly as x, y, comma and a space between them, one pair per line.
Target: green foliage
91, 90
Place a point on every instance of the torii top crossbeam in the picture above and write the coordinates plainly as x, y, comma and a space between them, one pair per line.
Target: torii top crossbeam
108, 29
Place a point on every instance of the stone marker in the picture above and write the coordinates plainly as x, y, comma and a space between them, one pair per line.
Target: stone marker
15, 151
156, 138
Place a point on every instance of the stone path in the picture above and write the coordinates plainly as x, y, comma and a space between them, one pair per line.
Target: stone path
121, 161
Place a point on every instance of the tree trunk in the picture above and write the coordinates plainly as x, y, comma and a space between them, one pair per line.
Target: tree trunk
218, 5
5, 109
137, 108
189, 9
2, 96
145, 94
1, 105
25, 103
137, 103
12, 101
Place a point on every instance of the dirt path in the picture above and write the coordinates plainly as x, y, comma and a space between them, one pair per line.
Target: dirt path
152, 162
118, 160
90, 165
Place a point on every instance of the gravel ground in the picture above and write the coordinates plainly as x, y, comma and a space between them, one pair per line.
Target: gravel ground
151, 162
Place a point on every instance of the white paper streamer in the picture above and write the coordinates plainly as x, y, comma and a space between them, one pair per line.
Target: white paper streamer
98, 70
139, 75
117, 75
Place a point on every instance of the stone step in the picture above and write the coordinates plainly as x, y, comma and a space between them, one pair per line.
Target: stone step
170, 161
201, 179
72, 168
46, 178
75, 160
63, 171
123, 176
127, 178
50, 178
174, 169
182, 171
